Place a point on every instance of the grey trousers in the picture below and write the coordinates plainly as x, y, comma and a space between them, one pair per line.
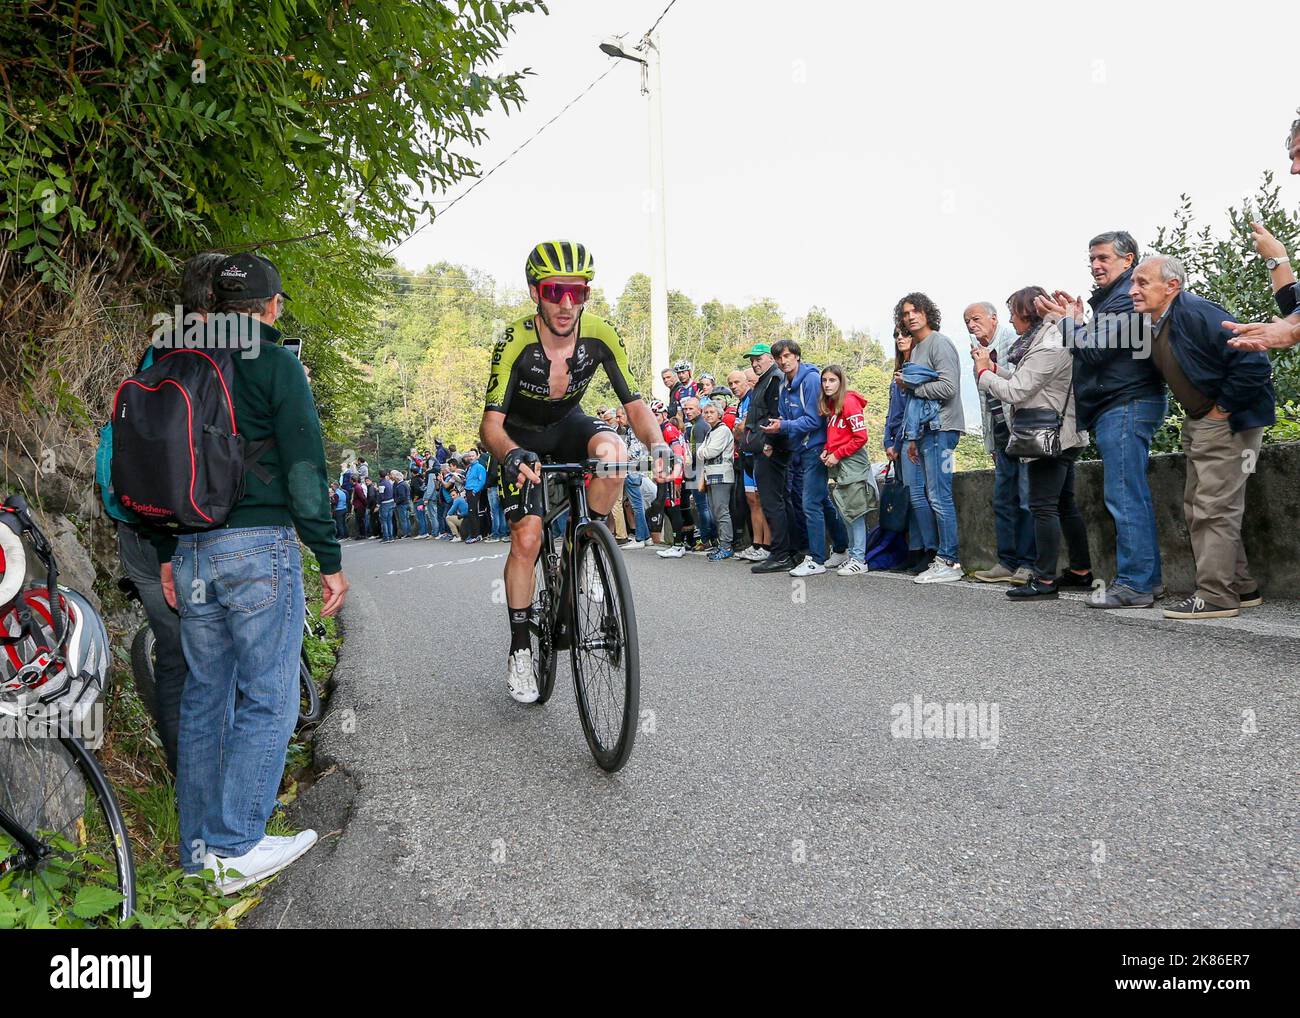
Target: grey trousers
720, 503
1219, 464
140, 563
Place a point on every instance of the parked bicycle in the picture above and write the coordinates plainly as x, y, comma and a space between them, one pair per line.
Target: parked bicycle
144, 658
583, 600
64, 847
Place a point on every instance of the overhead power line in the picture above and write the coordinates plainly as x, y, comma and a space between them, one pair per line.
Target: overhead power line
519, 148
661, 16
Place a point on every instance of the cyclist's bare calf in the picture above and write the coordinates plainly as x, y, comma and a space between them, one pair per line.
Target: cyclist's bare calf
602, 493
525, 546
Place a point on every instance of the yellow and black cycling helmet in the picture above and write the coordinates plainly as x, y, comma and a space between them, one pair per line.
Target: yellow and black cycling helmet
559, 258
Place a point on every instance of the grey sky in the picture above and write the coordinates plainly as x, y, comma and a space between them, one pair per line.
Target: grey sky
842, 154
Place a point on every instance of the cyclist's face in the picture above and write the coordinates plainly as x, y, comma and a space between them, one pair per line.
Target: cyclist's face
562, 317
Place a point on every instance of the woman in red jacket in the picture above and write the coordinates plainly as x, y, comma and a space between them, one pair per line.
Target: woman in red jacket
848, 462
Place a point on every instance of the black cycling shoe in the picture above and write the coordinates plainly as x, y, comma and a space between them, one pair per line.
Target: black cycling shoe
1073, 579
1035, 590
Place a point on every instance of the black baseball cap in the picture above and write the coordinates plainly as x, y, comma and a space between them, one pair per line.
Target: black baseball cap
247, 276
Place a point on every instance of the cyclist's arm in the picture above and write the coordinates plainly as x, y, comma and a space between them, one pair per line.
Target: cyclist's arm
493, 432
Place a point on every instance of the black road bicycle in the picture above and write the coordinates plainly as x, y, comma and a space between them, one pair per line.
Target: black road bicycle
64, 847
583, 601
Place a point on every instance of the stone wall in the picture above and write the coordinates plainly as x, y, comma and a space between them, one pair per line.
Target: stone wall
1272, 525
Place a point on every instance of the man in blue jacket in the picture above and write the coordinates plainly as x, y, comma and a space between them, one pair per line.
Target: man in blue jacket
1229, 400
805, 429
1119, 397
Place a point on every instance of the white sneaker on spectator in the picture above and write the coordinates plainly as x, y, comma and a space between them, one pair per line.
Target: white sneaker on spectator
676, 551
808, 567
851, 568
520, 679
837, 559
631, 545
941, 572
265, 859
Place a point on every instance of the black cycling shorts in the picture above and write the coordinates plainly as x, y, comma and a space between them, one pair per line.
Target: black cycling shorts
566, 441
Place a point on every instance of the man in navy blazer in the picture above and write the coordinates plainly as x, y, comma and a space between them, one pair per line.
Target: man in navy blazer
1229, 401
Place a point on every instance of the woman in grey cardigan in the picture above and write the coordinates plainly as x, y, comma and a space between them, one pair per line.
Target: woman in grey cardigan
1038, 375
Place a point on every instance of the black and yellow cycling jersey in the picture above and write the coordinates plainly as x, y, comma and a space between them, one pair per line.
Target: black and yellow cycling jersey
520, 383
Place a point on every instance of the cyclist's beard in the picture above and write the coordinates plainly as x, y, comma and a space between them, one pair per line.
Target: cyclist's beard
577, 317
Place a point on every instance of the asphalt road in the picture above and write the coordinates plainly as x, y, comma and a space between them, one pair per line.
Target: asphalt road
1142, 772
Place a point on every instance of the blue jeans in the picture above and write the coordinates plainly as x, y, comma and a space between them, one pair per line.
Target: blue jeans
1123, 435
632, 492
1012, 522
386, 520
858, 538
402, 514
422, 518
819, 511
241, 605
499, 526
706, 528
935, 511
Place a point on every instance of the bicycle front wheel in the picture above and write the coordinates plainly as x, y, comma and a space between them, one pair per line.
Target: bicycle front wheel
69, 858
542, 633
606, 659
309, 705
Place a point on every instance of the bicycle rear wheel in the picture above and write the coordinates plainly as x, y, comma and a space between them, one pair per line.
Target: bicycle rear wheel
606, 659
142, 668
543, 643
81, 872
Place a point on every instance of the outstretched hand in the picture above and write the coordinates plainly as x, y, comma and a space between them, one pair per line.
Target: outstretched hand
1279, 334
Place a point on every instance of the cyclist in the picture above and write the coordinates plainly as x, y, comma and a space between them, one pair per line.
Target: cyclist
541, 368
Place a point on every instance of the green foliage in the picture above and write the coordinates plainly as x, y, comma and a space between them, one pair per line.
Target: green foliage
1228, 271
150, 129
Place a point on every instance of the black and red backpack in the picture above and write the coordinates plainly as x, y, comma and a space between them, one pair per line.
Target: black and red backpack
178, 459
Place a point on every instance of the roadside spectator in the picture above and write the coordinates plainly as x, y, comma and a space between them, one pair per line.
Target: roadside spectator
697, 431
359, 510
934, 449
242, 641
1284, 332
373, 495
387, 503
803, 426
770, 453
1036, 381
339, 504
363, 471
1228, 398
141, 564
499, 530
670, 383
457, 513
717, 474
1120, 399
671, 491
1012, 523
401, 504
847, 462
741, 382
475, 482
632, 488
919, 556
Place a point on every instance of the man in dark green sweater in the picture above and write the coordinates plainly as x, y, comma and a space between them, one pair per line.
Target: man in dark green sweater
239, 591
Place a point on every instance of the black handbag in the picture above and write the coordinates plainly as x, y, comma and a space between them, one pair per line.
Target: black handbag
895, 500
1036, 432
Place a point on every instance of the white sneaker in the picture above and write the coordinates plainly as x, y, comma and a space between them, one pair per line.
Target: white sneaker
837, 559
676, 551
632, 545
520, 678
755, 554
265, 859
851, 568
808, 567
941, 572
